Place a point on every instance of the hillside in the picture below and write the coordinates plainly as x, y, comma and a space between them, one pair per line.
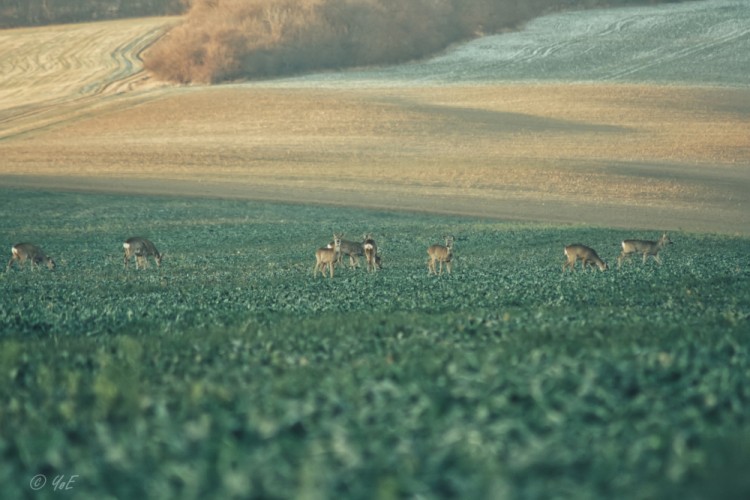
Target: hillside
78, 112
57, 73
224, 40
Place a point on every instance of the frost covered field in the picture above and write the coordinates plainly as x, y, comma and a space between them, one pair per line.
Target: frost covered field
691, 43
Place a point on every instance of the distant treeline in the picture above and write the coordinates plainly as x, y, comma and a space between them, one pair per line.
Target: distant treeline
15, 13
223, 40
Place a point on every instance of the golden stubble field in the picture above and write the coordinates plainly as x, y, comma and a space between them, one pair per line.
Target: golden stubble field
77, 112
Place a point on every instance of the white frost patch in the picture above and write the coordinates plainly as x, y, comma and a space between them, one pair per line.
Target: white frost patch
695, 43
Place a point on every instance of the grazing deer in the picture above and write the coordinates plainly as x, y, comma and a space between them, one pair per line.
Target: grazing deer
441, 254
351, 249
371, 253
141, 248
587, 256
327, 256
645, 247
21, 252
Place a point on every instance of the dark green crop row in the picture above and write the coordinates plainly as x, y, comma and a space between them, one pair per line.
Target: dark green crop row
232, 372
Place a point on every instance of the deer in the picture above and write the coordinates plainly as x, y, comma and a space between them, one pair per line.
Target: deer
352, 249
440, 254
327, 256
645, 247
586, 255
371, 253
141, 249
21, 252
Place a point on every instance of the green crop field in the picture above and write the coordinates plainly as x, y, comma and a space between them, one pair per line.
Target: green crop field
231, 371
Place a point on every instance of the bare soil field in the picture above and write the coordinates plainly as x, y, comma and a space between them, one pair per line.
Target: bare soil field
78, 113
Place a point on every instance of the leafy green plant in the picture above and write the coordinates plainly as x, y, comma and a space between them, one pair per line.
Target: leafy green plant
235, 373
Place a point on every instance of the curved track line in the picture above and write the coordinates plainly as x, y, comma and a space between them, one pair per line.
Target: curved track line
54, 74
729, 36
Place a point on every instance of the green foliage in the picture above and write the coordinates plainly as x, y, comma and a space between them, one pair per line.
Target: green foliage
232, 372
14, 13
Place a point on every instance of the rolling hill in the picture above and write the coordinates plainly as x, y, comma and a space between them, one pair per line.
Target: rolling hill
491, 128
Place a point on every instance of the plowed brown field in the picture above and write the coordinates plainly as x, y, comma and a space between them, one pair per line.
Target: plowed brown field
77, 112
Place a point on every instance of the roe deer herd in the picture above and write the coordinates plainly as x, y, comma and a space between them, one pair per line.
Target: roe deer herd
326, 258
587, 256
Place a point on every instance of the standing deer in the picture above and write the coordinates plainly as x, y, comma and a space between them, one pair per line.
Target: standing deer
141, 248
327, 256
587, 256
351, 249
21, 252
645, 247
441, 254
371, 253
